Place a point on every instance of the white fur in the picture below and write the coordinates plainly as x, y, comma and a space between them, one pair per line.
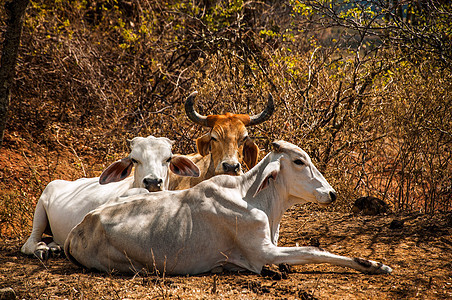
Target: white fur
63, 204
226, 221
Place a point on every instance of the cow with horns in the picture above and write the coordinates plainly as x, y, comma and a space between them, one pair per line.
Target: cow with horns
225, 146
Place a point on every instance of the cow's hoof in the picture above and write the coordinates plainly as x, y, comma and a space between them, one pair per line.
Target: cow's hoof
42, 254
372, 267
273, 272
379, 269
384, 269
55, 250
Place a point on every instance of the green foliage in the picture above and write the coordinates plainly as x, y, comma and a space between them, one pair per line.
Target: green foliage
222, 14
301, 8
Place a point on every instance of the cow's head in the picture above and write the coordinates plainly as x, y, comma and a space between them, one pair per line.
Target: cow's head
152, 158
294, 170
228, 139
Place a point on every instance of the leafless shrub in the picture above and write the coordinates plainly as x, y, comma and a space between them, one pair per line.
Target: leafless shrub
92, 74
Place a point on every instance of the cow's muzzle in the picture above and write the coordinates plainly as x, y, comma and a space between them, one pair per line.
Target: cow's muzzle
327, 199
153, 184
231, 169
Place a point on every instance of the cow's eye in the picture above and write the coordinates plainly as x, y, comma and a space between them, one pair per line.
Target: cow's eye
134, 160
213, 139
298, 162
169, 159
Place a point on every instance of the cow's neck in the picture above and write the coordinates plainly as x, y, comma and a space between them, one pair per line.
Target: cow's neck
133, 182
272, 200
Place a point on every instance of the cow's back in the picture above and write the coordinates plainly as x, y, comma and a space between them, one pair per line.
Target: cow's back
178, 232
67, 202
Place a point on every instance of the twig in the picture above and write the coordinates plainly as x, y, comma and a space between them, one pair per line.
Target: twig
73, 150
316, 286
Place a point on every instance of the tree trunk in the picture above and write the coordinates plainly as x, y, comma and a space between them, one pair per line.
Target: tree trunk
15, 10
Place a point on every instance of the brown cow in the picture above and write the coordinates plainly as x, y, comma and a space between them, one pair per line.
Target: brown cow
226, 145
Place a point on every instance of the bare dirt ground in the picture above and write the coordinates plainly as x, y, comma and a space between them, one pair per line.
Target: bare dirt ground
419, 251
417, 246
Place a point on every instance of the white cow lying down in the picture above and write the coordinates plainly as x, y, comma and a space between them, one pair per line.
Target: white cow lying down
63, 204
226, 221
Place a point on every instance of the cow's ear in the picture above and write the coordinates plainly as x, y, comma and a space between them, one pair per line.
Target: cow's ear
183, 166
250, 153
203, 144
117, 171
270, 172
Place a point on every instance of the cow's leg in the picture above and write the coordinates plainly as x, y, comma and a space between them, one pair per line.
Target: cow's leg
34, 245
314, 255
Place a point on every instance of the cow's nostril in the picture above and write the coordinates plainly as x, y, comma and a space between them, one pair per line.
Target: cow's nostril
333, 196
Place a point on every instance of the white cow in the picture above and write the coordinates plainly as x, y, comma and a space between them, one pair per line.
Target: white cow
63, 204
227, 221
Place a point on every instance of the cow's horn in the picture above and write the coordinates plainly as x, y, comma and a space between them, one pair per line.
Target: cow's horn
190, 110
265, 114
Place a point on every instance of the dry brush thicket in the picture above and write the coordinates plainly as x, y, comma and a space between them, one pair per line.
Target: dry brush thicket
92, 74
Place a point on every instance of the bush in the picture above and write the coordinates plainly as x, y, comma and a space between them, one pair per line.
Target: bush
90, 75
